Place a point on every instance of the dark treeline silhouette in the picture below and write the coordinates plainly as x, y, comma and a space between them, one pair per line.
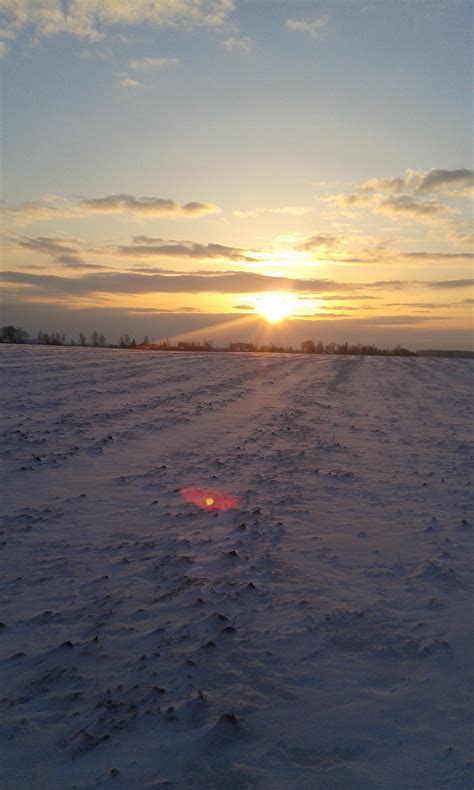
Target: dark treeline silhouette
12, 334
308, 347
446, 353
97, 339
51, 338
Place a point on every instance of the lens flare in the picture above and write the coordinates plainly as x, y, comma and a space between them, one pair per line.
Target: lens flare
209, 500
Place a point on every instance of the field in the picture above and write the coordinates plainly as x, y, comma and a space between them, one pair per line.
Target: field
315, 635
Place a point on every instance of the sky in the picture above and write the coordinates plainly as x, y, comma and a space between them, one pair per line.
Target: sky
249, 170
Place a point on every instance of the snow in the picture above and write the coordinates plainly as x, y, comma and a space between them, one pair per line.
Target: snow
315, 634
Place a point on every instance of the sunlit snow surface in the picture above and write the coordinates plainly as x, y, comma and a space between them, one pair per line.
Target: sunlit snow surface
316, 635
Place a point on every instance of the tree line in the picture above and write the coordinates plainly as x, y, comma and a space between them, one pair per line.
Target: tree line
12, 334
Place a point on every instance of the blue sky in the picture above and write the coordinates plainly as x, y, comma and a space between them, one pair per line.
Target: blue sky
302, 134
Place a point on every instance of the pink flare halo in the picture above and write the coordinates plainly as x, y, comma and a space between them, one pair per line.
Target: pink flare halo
209, 499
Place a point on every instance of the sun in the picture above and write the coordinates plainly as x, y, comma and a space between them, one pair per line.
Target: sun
275, 306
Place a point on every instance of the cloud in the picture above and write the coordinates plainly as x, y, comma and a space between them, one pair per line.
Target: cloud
319, 243
422, 181
463, 283
135, 283
349, 202
54, 207
239, 43
227, 282
291, 211
429, 305
311, 27
146, 206
64, 251
435, 180
405, 206
30, 211
129, 84
436, 256
397, 320
399, 196
384, 185
146, 246
92, 19
147, 64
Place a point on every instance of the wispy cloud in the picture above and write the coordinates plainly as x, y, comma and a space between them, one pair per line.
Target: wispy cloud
422, 181
238, 43
135, 283
67, 252
129, 84
291, 211
312, 27
405, 205
147, 206
53, 207
93, 19
231, 282
147, 64
435, 180
147, 247
420, 195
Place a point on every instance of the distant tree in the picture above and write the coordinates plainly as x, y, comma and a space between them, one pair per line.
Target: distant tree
241, 347
53, 339
308, 347
146, 340
399, 351
133, 344
95, 339
13, 334
125, 341
102, 340
319, 347
82, 339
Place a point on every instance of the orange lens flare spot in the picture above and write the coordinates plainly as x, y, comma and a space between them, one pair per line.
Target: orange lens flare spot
209, 500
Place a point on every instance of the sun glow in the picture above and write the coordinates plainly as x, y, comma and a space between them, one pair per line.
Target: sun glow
275, 306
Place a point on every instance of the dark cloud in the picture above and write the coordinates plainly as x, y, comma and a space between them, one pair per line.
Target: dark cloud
436, 256
338, 297
147, 206
397, 320
440, 179
384, 185
405, 205
48, 245
64, 251
318, 242
134, 283
182, 249
465, 283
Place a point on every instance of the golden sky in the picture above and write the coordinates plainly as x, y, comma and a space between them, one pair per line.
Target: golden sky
206, 166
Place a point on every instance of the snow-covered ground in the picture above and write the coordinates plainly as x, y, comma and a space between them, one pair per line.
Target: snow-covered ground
317, 636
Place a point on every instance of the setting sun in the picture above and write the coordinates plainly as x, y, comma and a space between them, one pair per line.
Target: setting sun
275, 306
